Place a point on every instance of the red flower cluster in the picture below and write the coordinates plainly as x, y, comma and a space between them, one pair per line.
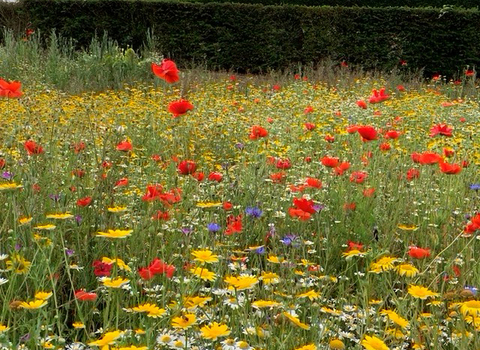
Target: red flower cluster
155, 192
378, 96
302, 208
441, 129
156, 267
234, 225
32, 147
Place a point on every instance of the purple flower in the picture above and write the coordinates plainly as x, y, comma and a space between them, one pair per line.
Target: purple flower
213, 227
78, 219
69, 252
475, 187
7, 175
186, 230
24, 338
260, 250
55, 197
318, 207
290, 239
18, 246
254, 212
474, 290
239, 145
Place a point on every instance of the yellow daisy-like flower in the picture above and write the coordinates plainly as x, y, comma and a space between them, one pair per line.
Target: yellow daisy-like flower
115, 233
383, 264
18, 264
78, 325
311, 294
209, 204
119, 209
3, 328
336, 344
373, 343
307, 347
133, 347
395, 332
395, 318
60, 216
185, 321
421, 292
46, 227
214, 331
470, 308
43, 295
407, 270
351, 253
33, 305
9, 186
205, 256
25, 220
269, 277
197, 301
275, 259
242, 282
117, 282
204, 274
406, 227
260, 304
152, 310
107, 339
296, 321
47, 345
120, 263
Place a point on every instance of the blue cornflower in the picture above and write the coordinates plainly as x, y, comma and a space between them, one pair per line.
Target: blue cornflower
475, 187
254, 212
213, 227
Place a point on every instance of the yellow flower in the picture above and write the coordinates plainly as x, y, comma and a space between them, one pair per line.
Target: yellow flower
383, 264
209, 204
373, 343
33, 305
47, 227
47, 345
470, 308
307, 347
133, 347
336, 344
204, 274
120, 263
351, 253
311, 294
214, 331
269, 277
43, 295
117, 282
296, 321
275, 259
60, 216
259, 304
395, 318
242, 282
115, 233
9, 186
119, 209
420, 292
407, 270
183, 322
25, 220
3, 328
205, 256
78, 325
152, 310
405, 227
107, 339
193, 302
18, 264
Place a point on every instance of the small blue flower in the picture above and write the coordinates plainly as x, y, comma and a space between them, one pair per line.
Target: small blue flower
213, 227
474, 290
475, 187
254, 212
290, 239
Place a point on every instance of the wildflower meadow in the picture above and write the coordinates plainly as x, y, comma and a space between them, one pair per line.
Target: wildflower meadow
227, 212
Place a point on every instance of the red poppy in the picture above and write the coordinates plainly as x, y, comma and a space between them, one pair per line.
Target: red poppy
234, 225
84, 202
413, 173
167, 70
344, 64
339, 170
32, 148
186, 167
283, 163
308, 159
299, 213
101, 269
367, 132
369, 192
78, 173
156, 267
124, 146
385, 146
227, 206
215, 176
2, 163
401, 88
330, 162
392, 134
10, 90
329, 138
304, 204
448, 168
358, 177
198, 175
82, 295
308, 109
180, 107
278, 177
256, 132
362, 104
276, 87
122, 182
378, 96
418, 253
78, 147
353, 245
473, 225
161, 215
428, 158
153, 193
352, 129
309, 126
441, 129
350, 206
106, 165
313, 182
469, 73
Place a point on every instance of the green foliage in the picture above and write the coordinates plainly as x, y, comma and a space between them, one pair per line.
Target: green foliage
259, 38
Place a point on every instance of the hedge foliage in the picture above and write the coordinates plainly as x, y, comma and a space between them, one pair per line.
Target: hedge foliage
257, 38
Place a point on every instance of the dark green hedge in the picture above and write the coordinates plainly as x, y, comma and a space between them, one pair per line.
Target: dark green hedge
258, 38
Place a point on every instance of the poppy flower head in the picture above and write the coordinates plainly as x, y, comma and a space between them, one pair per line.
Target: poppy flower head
10, 90
124, 146
186, 167
215, 176
418, 253
166, 70
358, 177
180, 107
32, 147
330, 162
441, 129
257, 132
449, 169
367, 132
378, 96
362, 104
